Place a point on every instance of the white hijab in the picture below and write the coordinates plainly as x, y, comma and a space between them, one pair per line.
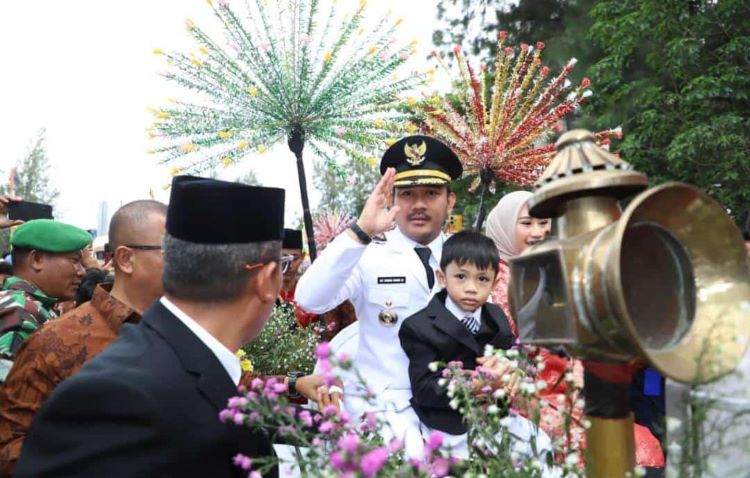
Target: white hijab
501, 223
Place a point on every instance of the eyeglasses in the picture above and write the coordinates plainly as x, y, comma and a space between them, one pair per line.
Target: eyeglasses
142, 247
284, 262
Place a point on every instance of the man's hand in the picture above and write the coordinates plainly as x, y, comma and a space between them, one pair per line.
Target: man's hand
4, 201
376, 217
313, 387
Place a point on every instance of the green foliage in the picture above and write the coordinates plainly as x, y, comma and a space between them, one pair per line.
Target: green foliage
34, 182
676, 75
282, 345
346, 195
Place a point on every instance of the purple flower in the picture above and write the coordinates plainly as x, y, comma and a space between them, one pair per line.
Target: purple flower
242, 461
239, 418
254, 474
337, 461
373, 461
256, 384
395, 445
225, 415
326, 427
440, 467
349, 443
306, 418
434, 441
323, 351
237, 402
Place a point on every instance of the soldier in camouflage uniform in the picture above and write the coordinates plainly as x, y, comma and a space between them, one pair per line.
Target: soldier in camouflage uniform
47, 269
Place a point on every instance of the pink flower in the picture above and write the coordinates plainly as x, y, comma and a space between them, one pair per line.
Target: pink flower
395, 445
585, 82
337, 461
326, 427
242, 461
254, 474
256, 384
502, 35
306, 418
239, 419
434, 441
349, 443
373, 461
225, 415
323, 350
440, 467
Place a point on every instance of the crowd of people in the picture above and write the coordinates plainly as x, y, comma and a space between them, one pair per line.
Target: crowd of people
121, 369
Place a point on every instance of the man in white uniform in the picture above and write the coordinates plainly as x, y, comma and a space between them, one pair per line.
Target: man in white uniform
388, 279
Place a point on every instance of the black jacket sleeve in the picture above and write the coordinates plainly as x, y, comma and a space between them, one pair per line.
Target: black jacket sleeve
424, 382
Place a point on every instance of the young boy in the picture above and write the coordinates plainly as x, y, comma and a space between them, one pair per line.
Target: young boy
456, 325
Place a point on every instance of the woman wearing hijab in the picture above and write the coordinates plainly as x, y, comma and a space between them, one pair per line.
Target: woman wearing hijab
512, 229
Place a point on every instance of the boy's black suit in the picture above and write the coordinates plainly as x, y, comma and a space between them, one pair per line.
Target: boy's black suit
435, 334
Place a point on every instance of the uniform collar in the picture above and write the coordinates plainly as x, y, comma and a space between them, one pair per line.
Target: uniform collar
400, 242
16, 283
114, 311
228, 359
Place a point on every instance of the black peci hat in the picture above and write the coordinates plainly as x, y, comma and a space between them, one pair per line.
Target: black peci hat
210, 211
292, 239
421, 161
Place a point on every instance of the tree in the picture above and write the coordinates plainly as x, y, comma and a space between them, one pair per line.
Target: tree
676, 75
32, 183
346, 195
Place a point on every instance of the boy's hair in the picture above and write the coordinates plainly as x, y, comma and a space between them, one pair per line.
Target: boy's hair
470, 247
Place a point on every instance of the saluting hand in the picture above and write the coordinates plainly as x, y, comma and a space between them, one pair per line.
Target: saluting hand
376, 216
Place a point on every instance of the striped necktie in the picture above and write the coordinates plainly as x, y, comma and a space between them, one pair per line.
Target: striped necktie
471, 324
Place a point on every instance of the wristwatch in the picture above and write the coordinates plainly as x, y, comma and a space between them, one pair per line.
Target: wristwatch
361, 235
292, 384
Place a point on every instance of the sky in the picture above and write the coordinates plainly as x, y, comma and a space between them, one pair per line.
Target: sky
85, 71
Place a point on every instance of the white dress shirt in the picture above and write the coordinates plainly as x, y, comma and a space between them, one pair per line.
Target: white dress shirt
228, 359
459, 313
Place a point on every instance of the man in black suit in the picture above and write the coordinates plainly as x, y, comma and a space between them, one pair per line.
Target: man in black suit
456, 325
149, 405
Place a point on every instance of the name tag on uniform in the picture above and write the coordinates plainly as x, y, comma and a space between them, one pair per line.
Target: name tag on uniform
392, 280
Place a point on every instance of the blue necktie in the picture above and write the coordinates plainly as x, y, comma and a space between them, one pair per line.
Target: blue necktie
471, 324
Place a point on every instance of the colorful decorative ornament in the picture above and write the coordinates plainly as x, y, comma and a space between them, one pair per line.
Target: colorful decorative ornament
503, 134
285, 70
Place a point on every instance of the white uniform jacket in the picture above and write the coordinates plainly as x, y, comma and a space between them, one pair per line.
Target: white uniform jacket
379, 276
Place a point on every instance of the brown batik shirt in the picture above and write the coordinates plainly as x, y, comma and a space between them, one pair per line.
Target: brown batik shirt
54, 352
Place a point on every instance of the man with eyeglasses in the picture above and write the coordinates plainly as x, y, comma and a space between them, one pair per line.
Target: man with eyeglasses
149, 404
62, 346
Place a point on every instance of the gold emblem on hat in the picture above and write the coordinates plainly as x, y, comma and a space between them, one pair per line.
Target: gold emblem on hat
387, 317
415, 153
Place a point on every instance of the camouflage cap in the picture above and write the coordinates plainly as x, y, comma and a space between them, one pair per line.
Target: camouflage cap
50, 236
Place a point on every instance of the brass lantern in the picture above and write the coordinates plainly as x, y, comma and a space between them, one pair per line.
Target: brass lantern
667, 280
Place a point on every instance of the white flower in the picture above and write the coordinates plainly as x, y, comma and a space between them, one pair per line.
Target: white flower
541, 384
580, 403
513, 364
493, 409
454, 404
499, 393
543, 403
505, 422
433, 366
673, 424
511, 353
506, 378
569, 376
560, 398
640, 471
587, 424
547, 419
572, 459
541, 366
442, 382
488, 350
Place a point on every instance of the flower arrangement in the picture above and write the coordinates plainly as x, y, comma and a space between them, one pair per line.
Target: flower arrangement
336, 444
499, 127
282, 345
